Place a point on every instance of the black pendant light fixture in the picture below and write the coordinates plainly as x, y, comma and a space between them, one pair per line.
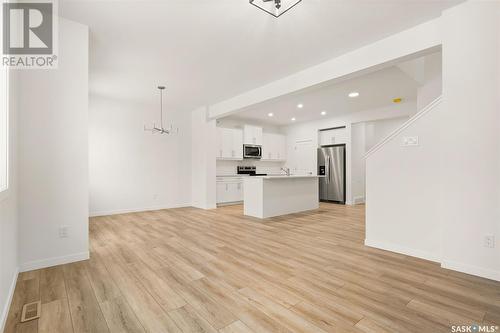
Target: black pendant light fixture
275, 7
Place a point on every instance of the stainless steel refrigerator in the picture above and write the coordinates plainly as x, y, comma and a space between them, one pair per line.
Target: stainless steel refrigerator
331, 165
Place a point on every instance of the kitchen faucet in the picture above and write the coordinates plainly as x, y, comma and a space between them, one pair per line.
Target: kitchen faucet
287, 171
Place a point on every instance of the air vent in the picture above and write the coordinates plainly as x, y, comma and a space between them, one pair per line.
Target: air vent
31, 311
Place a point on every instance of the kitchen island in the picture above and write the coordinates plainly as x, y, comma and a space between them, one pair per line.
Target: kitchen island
269, 196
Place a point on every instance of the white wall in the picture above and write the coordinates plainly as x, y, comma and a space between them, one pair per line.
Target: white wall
231, 122
441, 199
402, 191
302, 138
432, 86
422, 38
364, 136
8, 216
229, 168
358, 150
471, 137
377, 130
203, 164
134, 170
53, 155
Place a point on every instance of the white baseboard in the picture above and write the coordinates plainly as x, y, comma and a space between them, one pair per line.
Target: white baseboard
473, 270
204, 206
38, 264
453, 265
8, 302
359, 200
403, 250
234, 203
136, 210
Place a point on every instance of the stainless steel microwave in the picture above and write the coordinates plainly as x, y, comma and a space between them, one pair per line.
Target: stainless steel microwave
252, 151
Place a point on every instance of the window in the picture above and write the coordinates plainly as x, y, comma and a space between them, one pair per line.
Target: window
4, 129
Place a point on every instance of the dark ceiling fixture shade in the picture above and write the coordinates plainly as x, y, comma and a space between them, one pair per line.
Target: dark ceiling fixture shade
275, 7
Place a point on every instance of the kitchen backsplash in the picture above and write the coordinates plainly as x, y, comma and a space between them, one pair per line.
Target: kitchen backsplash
229, 168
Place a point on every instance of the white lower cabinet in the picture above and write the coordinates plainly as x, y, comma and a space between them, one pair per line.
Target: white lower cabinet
229, 190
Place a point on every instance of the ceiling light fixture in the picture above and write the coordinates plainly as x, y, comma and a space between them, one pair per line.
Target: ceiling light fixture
161, 129
300, 106
323, 113
354, 94
293, 119
270, 114
275, 7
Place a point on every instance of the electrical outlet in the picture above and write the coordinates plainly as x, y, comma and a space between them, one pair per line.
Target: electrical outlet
63, 231
489, 241
410, 141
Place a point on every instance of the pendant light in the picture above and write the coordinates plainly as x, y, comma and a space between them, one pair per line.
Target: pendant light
275, 7
161, 129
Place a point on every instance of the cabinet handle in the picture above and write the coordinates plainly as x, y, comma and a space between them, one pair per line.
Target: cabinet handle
220, 152
227, 187
232, 153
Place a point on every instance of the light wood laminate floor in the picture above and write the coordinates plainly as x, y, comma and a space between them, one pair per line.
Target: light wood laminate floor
190, 270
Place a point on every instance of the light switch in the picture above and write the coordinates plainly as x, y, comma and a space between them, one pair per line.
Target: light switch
63, 231
410, 141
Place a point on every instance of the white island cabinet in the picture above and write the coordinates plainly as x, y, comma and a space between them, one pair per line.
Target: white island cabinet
269, 196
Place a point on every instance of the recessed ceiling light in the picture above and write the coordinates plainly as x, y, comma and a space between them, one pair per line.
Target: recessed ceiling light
270, 114
323, 113
293, 119
300, 106
354, 94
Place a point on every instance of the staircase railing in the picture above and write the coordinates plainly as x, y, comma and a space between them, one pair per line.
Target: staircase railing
401, 128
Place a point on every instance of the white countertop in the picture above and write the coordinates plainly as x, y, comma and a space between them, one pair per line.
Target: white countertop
285, 177
231, 176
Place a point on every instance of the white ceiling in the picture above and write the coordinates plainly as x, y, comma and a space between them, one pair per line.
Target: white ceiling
376, 90
205, 51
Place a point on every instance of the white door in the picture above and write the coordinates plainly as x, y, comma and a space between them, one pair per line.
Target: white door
304, 158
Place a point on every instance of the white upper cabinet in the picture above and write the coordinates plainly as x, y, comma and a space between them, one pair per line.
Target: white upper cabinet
237, 143
273, 147
229, 144
252, 135
281, 149
334, 136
